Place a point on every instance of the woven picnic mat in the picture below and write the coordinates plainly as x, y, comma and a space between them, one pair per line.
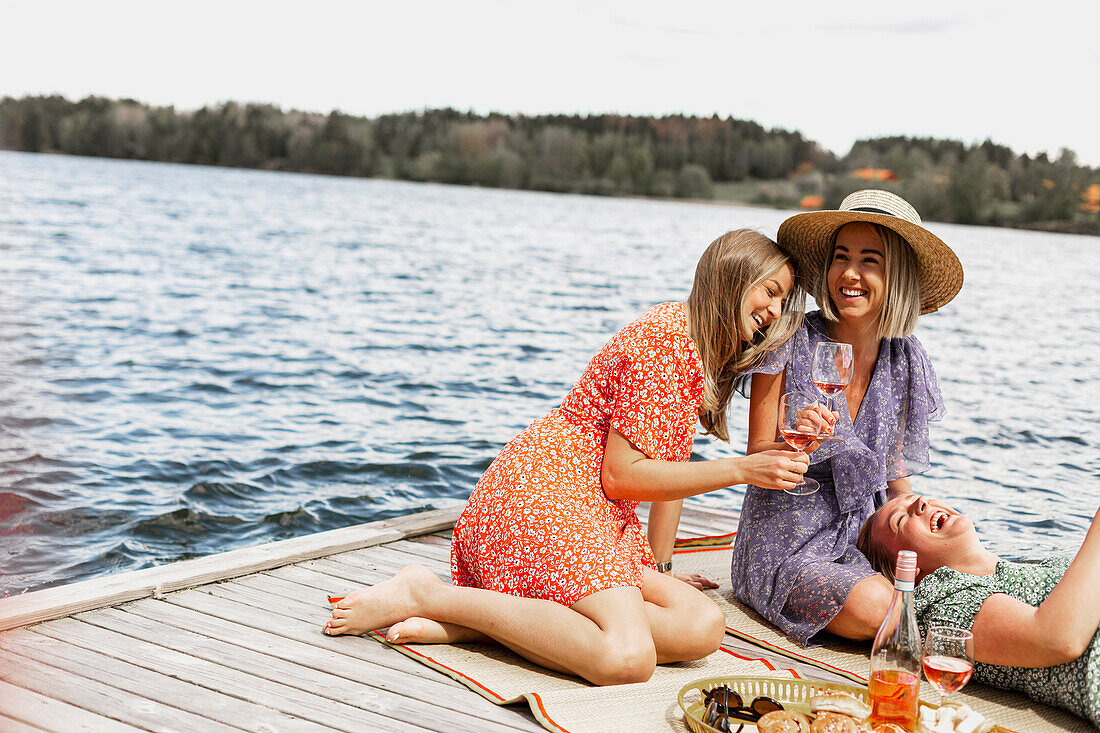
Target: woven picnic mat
571, 705
1007, 709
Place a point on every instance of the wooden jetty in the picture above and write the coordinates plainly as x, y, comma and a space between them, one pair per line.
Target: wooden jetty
233, 642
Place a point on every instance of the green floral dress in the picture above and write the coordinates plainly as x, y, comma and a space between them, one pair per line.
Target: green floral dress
948, 597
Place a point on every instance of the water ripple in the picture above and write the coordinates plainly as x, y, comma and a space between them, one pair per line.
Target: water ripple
196, 359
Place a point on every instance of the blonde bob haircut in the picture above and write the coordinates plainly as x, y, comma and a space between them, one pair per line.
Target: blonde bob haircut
727, 272
901, 306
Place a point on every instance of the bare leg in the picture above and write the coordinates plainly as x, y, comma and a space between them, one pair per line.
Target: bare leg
685, 624
418, 630
864, 609
605, 637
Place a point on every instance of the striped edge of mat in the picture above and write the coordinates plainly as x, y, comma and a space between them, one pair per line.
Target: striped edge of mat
533, 699
711, 541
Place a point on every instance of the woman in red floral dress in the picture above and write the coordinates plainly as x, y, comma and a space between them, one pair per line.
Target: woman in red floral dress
549, 557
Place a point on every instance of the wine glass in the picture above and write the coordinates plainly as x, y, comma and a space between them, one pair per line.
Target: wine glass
948, 659
800, 424
831, 371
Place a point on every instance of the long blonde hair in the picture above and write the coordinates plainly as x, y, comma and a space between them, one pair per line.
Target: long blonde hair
729, 269
901, 305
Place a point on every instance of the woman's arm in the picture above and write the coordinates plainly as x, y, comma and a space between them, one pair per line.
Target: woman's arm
664, 518
898, 487
629, 474
1010, 632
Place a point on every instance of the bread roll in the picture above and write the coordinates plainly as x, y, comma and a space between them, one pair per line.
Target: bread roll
839, 702
834, 723
783, 721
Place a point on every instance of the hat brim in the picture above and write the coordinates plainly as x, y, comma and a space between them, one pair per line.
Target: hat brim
809, 239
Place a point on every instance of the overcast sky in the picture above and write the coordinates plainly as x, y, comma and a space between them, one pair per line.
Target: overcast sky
1024, 74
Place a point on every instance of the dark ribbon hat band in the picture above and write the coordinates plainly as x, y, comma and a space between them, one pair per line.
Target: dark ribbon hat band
873, 210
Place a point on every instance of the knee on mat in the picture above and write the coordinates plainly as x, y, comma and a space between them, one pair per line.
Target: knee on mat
708, 629
626, 663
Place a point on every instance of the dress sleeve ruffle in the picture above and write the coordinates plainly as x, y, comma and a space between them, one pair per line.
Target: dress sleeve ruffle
891, 441
920, 402
772, 362
648, 407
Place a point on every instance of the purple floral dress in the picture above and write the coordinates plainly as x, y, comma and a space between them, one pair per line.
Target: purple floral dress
795, 558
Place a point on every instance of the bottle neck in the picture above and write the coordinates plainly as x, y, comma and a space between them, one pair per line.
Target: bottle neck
905, 586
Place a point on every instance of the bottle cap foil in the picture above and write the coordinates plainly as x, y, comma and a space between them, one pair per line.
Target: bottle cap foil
906, 568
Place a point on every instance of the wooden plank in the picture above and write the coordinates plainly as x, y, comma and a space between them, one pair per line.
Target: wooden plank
392, 560
42, 713
359, 560
113, 589
435, 552
353, 574
342, 577
391, 670
253, 690
348, 576
283, 635
307, 587
324, 582
400, 559
436, 539
332, 681
292, 627
286, 588
356, 565
104, 699
17, 726
177, 688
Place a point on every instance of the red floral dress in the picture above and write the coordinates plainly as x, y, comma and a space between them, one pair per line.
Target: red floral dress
538, 523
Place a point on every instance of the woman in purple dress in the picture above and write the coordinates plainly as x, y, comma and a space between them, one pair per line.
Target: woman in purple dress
875, 269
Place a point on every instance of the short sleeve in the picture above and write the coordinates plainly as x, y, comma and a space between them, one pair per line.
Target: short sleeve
919, 403
948, 597
649, 407
773, 361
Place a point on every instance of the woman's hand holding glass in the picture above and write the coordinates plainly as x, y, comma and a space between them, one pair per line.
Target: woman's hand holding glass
831, 371
802, 419
773, 469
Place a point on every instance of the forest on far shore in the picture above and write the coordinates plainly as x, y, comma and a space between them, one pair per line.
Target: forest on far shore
723, 159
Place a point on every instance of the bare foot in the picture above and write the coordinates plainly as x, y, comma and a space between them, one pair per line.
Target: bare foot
381, 605
418, 630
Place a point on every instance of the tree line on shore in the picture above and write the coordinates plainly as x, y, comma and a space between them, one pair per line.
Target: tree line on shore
671, 156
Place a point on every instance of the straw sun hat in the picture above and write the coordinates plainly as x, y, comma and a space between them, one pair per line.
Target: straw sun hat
809, 238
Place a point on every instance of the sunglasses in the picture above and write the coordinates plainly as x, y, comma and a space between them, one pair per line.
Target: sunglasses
721, 703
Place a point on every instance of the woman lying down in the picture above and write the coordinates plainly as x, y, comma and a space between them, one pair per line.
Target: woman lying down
1034, 624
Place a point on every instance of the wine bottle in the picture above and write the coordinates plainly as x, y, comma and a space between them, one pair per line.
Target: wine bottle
896, 653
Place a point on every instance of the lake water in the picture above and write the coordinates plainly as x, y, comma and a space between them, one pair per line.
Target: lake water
197, 359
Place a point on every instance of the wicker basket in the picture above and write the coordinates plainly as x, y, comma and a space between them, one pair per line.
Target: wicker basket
793, 694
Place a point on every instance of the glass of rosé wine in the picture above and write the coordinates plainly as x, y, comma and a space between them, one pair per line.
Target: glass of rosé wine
831, 371
800, 424
948, 659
